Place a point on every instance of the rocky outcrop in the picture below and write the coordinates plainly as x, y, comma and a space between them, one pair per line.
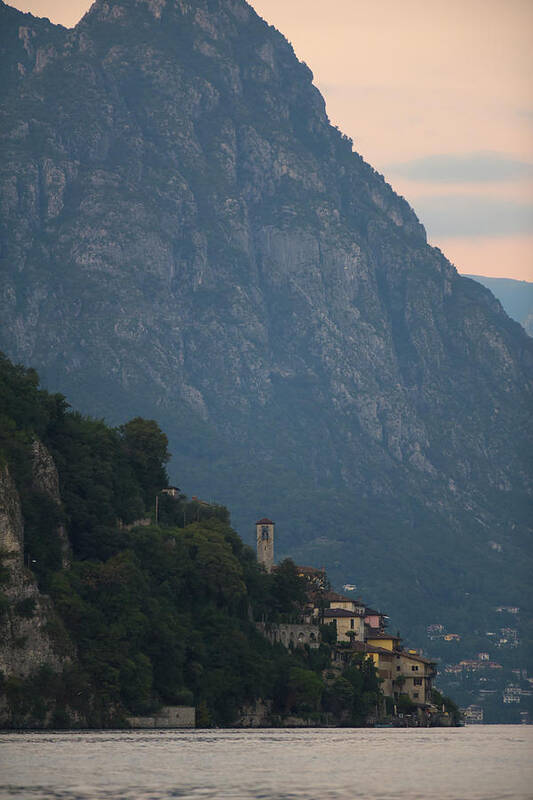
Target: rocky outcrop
11, 526
188, 238
27, 618
46, 480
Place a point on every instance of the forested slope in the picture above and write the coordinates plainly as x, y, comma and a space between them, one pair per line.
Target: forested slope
134, 617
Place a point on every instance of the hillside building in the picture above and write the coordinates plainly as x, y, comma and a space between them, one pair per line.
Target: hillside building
349, 625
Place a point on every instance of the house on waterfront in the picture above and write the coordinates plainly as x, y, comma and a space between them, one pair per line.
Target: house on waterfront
358, 629
418, 674
362, 629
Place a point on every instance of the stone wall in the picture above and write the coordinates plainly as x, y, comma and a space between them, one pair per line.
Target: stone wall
290, 635
167, 717
255, 715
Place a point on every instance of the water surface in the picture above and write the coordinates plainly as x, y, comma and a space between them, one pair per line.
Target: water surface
474, 763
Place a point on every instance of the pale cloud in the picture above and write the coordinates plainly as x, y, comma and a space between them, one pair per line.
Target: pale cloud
463, 168
464, 215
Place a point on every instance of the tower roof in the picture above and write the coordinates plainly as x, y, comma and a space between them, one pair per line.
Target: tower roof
264, 521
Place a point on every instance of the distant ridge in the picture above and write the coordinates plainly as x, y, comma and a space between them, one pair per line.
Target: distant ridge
515, 296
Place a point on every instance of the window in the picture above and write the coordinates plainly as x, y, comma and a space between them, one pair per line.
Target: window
414, 669
352, 623
398, 668
418, 681
415, 695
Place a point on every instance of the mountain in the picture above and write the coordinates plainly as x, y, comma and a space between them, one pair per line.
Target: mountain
185, 236
515, 296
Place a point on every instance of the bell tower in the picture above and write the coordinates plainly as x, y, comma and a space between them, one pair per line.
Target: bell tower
265, 543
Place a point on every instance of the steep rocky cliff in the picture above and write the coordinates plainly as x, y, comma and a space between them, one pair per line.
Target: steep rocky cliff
187, 237
26, 615
46, 480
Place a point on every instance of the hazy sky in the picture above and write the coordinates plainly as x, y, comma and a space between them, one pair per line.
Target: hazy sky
437, 95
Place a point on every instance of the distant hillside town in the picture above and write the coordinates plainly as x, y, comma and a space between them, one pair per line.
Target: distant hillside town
353, 628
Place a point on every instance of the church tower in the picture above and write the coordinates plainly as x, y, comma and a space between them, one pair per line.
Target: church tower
265, 543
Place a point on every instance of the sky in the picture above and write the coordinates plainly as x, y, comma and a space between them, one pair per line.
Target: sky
437, 95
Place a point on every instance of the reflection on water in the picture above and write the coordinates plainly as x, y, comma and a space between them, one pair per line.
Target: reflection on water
473, 763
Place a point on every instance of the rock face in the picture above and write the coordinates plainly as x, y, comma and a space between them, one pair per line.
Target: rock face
187, 237
45, 479
11, 527
25, 640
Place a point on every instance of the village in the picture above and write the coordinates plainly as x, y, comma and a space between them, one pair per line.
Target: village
491, 684
406, 677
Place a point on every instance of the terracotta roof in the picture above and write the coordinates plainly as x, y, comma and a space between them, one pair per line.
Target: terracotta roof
264, 521
200, 502
362, 647
341, 598
372, 648
374, 633
338, 612
414, 656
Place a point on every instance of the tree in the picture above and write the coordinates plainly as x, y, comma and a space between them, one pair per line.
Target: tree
340, 696
305, 690
328, 632
405, 705
446, 703
147, 448
288, 589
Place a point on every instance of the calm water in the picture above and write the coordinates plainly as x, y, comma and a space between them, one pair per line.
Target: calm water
473, 763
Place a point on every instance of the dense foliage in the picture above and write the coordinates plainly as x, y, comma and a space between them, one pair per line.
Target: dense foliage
158, 613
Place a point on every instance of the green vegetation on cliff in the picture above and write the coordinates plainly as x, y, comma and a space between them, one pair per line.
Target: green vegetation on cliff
158, 614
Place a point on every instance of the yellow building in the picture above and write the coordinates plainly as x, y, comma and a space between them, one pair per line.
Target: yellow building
401, 671
350, 626
384, 662
386, 641
335, 600
413, 676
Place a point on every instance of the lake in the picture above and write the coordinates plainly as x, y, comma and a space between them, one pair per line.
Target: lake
485, 762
